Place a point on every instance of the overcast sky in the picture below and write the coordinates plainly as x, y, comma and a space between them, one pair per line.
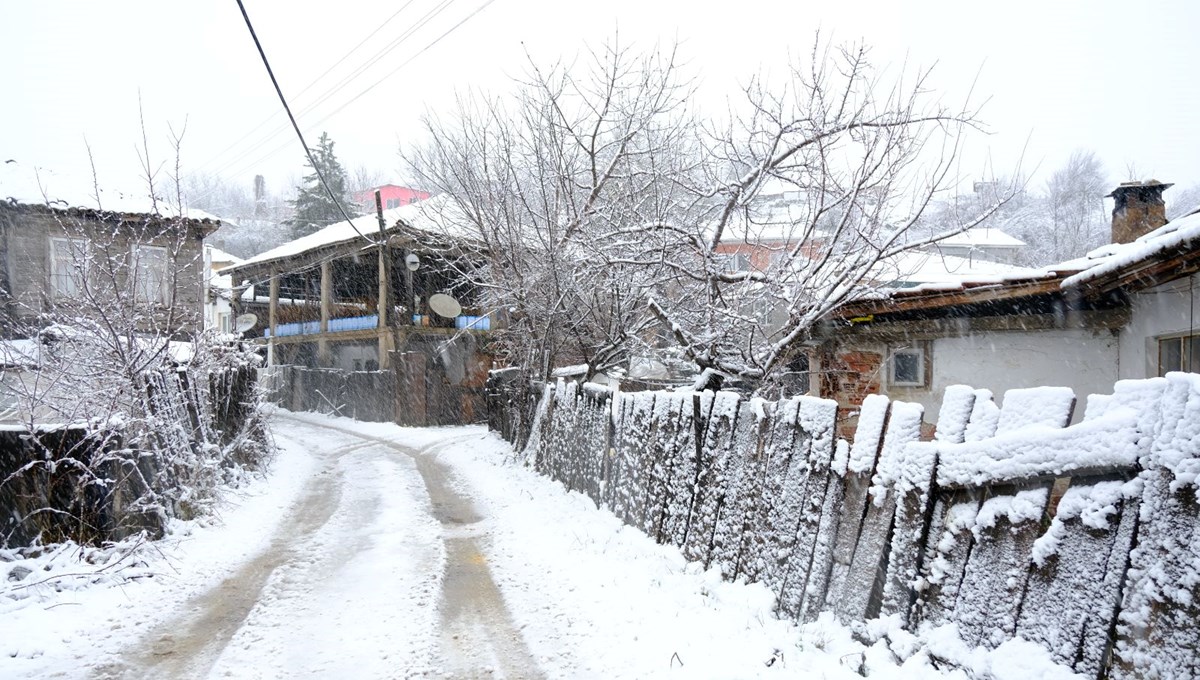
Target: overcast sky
1118, 78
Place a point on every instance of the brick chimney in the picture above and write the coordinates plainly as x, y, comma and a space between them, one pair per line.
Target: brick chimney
1138, 209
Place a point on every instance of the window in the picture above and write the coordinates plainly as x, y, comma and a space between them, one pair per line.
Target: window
733, 263
1181, 353
150, 274
907, 367
68, 266
393, 203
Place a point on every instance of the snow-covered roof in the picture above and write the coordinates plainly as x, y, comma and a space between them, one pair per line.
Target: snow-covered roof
932, 270
33, 185
1114, 257
215, 254
27, 352
434, 215
982, 237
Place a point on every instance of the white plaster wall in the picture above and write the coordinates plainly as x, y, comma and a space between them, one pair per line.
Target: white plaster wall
1084, 360
1164, 310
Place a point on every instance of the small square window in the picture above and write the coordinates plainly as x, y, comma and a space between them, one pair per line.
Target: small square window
907, 367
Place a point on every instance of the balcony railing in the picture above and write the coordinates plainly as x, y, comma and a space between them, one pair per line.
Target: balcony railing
360, 323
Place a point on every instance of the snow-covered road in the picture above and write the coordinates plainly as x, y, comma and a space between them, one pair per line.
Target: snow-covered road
373, 551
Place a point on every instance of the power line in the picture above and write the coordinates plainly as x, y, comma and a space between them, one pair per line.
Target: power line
357, 72
376, 83
296, 127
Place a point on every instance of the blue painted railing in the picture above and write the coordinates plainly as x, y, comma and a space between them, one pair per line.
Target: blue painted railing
360, 323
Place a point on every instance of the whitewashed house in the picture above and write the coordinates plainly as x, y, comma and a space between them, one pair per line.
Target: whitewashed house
218, 308
1126, 310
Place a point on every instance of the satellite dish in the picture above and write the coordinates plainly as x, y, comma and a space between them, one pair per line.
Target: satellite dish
444, 305
244, 322
412, 262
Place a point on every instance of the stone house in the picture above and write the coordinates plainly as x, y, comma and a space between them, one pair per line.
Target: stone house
1126, 310
62, 259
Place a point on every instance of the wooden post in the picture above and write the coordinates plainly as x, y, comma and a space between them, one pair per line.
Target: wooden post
323, 358
385, 334
273, 317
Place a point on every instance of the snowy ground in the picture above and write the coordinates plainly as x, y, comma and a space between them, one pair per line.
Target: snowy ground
374, 551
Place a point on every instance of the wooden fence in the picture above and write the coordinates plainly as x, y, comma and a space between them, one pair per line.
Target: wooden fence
411, 393
1084, 539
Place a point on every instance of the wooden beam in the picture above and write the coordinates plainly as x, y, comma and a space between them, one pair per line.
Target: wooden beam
273, 317
323, 357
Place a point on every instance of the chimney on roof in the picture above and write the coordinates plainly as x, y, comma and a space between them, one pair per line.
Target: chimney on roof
1138, 209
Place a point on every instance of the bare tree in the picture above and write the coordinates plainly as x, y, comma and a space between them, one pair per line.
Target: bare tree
1075, 203
559, 187
612, 217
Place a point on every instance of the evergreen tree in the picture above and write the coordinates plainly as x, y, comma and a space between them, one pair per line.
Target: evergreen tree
314, 208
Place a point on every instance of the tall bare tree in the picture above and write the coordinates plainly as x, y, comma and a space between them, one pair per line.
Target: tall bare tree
609, 211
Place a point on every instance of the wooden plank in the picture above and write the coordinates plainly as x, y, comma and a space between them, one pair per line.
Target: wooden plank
721, 416
993, 585
681, 481
818, 417
862, 591
737, 483
858, 470
916, 493
946, 556
1071, 600
787, 473
1158, 635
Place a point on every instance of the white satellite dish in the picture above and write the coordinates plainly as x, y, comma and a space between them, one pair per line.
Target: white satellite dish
244, 322
444, 305
412, 262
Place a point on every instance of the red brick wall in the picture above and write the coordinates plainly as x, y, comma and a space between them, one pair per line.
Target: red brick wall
848, 377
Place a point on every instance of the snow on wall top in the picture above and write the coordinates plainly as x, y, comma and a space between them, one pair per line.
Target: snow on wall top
33, 185
432, 215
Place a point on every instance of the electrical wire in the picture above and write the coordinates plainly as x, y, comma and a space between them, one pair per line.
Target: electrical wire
391, 73
309, 86
295, 126
238, 160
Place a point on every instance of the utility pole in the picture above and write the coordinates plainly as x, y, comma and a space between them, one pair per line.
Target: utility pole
384, 303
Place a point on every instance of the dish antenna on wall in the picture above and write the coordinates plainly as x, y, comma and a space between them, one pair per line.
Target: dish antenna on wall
244, 322
444, 305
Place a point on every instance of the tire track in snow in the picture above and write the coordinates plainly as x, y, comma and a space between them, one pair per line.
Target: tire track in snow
478, 637
188, 645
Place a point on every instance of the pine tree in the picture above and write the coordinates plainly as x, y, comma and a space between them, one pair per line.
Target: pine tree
314, 208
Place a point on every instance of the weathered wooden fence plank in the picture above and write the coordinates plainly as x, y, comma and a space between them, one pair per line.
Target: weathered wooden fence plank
1158, 635
857, 471
915, 498
710, 483
863, 590
993, 584
1073, 592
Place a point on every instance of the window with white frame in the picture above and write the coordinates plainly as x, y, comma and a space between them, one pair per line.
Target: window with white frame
150, 274
68, 266
906, 367
1179, 353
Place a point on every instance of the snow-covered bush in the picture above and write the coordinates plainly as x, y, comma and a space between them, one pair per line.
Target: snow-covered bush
115, 437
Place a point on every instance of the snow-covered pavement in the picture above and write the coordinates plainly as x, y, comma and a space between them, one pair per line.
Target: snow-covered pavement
373, 551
